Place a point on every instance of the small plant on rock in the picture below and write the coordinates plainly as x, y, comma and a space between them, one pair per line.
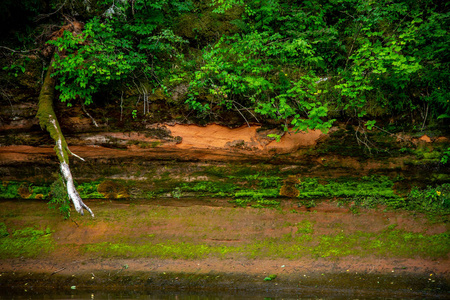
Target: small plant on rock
59, 198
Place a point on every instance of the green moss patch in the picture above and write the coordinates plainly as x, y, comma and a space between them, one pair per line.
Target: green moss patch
27, 242
346, 187
303, 243
23, 190
29, 190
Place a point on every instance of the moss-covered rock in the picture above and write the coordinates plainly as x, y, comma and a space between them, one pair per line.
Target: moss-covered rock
289, 189
113, 190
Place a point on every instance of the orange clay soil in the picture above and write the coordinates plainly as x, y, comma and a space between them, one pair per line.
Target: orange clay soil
191, 142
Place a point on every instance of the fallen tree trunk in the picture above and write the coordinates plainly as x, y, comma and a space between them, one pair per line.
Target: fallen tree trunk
47, 120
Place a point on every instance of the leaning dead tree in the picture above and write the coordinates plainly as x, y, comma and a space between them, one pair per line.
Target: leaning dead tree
47, 120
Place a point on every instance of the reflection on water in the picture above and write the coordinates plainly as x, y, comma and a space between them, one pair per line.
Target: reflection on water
329, 294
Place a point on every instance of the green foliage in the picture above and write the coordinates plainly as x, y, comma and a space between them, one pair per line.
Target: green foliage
17, 66
111, 49
255, 200
59, 198
224, 5
55, 191
89, 189
258, 194
445, 156
92, 60
378, 60
269, 182
370, 124
9, 190
429, 200
176, 193
304, 64
371, 191
211, 188
369, 186
270, 277
241, 71
12, 190
277, 137
3, 230
376, 52
249, 190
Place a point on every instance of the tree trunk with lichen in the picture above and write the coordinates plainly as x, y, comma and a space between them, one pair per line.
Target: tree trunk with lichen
47, 120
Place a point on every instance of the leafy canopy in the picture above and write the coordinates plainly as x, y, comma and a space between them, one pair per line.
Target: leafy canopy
302, 63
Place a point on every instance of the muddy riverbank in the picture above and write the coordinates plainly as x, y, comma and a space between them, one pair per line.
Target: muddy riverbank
219, 247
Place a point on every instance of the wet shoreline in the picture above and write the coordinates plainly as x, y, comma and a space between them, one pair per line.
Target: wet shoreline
284, 285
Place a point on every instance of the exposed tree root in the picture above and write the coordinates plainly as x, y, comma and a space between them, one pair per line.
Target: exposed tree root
47, 120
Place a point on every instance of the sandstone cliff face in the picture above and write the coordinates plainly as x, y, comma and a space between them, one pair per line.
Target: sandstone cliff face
122, 145
26, 150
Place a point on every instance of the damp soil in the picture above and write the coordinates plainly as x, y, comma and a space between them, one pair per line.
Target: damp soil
213, 222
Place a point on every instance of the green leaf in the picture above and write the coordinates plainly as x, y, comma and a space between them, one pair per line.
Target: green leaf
370, 124
277, 137
443, 116
270, 277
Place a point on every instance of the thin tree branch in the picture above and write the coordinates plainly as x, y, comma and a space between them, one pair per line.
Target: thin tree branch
241, 115
245, 108
92, 119
43, 16
17, 51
